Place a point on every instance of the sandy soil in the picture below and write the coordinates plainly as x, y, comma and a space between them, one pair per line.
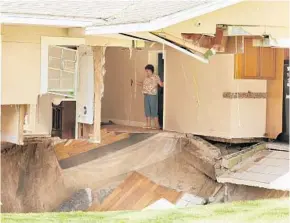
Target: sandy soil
177, 174
31, 179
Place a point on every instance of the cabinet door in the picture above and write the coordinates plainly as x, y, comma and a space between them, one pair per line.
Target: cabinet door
267, 63
251, 60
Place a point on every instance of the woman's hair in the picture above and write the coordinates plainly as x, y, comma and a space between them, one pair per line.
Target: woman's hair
149, 67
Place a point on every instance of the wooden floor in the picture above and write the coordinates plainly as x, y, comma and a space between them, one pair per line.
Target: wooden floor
74, 147
267, 168
136, 193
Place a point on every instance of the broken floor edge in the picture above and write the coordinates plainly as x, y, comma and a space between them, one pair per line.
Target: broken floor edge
225, 180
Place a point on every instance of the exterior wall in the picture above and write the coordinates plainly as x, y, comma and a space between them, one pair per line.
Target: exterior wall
245, 13
21, 62
194, 100
12, 121
21, 70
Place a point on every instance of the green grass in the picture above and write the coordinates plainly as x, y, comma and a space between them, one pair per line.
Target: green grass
264, 211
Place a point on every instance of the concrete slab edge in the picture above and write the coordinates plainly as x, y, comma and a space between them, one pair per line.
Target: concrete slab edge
251, 183
231, 160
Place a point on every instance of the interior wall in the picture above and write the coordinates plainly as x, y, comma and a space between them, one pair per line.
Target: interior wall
21, 62
121, 101
248, 115
194, 101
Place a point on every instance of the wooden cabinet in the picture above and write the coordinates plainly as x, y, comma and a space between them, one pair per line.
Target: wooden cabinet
255, 62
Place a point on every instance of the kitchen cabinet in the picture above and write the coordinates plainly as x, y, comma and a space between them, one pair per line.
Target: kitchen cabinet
255, 62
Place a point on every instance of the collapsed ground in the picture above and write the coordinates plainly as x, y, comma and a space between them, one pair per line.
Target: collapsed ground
35, 179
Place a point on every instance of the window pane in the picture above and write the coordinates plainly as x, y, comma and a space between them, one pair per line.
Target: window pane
69, 66
69, 55
54, 52
53, 84
67, 84
54, 63
53, 74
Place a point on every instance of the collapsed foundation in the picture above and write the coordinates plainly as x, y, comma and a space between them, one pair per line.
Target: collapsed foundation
33, 181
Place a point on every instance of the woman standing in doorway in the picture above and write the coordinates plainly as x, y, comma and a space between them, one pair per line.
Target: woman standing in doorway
150, 90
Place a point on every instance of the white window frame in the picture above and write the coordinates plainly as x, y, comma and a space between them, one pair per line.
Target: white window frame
61, 70
53, 41
45, 43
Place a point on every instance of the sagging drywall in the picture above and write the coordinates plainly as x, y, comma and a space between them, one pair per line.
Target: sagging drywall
123, 99
12, 122
194, 101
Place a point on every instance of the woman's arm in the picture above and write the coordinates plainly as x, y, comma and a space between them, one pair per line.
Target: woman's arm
139, 83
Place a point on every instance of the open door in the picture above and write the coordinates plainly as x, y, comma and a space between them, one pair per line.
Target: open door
62, 70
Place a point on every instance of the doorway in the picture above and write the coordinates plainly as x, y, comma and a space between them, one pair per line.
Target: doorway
284, 136
160, 89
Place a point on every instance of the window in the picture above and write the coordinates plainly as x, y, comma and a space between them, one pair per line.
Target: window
62, 70
59, 62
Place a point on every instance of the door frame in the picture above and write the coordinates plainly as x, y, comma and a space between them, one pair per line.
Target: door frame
163, 51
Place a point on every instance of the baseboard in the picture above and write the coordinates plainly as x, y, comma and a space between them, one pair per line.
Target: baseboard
124, 122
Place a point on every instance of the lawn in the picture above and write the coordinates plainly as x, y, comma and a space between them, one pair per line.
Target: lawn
264, 211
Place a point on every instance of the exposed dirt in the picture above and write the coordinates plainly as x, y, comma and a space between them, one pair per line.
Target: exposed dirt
31, 178
241, 193
177, 174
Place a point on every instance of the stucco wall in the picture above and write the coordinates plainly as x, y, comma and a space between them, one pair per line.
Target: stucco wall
21, 62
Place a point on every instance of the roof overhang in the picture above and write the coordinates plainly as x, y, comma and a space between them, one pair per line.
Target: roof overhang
161, 22
25, 19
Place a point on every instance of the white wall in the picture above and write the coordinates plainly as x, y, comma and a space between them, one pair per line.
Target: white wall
12, 120
40, 115
194, 100
257, 13
248, 116
21, 62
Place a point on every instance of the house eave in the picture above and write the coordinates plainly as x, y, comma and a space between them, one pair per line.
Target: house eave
160, 23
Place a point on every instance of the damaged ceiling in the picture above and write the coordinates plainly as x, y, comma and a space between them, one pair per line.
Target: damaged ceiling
199, 28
